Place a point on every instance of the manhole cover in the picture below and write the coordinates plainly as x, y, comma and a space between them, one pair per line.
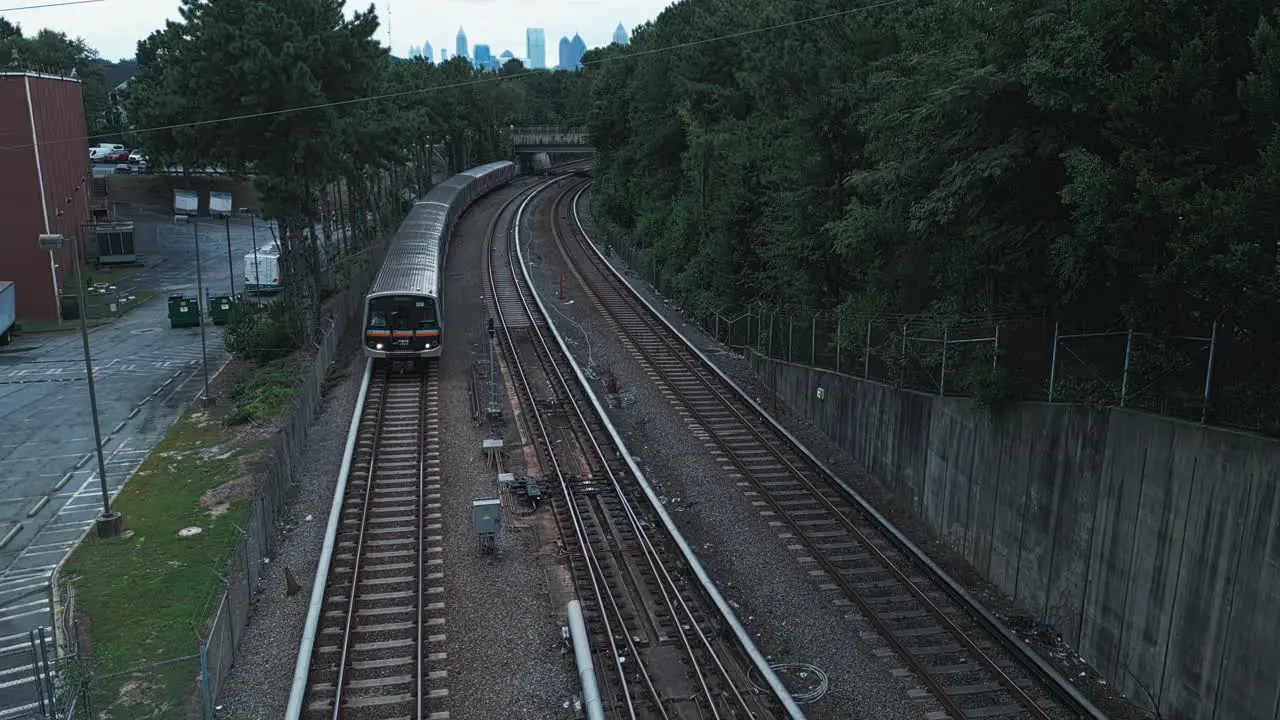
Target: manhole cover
189, 531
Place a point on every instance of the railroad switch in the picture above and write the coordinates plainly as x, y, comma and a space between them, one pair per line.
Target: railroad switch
587, 483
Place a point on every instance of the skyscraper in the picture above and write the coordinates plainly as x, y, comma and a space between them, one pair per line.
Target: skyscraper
620, 35
483, 57
566, 54
536, 46
427, 51
460, 46
579, 49
444, 55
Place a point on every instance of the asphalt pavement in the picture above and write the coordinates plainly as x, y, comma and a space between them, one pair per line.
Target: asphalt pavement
145, 374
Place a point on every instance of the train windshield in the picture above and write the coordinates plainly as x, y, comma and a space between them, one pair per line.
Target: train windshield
403, 312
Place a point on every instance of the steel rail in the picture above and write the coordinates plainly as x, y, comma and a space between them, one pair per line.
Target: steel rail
421, 645
302, 667
658, 568
594, 571
726, 612
355, 573
920, 667
1032, 661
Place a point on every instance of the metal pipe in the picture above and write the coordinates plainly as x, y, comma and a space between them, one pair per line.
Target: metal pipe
980, 612
942, 378
1053, 362
731, 619
582, 656
1128, 361
303, 666
866, 354
1208, 373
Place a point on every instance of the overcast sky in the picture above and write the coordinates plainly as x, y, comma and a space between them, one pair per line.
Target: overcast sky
114, 27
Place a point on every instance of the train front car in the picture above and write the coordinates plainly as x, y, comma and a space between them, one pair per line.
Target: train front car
402, 326
402, 309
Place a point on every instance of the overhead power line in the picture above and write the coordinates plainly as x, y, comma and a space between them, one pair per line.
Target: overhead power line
626, 55
49, 5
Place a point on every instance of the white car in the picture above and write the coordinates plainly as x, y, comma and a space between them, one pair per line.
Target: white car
136, 157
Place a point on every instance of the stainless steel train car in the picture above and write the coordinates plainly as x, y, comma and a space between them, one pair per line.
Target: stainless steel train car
402, 310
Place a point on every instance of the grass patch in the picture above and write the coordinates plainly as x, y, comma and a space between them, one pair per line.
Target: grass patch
111, 275
147, 597
262, 392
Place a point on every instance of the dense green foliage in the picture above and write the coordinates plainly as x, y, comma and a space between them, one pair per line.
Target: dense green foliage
1107, 163
54, 52
333, 130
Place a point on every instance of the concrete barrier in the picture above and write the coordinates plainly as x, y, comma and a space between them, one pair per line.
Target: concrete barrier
1151, 544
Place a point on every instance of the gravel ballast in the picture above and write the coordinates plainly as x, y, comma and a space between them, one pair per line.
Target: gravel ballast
1064, 658
791, 621
503, 634
258, 685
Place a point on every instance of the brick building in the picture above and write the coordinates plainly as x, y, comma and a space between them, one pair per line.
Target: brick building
44, 186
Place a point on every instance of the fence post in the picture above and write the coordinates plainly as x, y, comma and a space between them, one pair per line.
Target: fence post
717, 325
839, 325
995, 348
791, 334
902, 359
866, 354
813, 340
35, 666
942, 377
1128, 358
1053, 362
205, 691
1208, 373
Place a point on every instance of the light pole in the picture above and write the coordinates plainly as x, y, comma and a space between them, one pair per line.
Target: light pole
204, 301
231, 265
109, 523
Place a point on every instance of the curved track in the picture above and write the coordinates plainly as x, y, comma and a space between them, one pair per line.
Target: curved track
969, 670
659, 653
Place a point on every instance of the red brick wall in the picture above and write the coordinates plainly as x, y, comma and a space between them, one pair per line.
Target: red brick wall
63, 164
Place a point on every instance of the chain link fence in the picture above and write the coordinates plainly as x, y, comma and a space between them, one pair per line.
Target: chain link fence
1203, 372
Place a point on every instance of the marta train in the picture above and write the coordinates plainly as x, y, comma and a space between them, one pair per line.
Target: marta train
402, 311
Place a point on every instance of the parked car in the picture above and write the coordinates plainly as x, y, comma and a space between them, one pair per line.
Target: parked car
117, 156
136, 157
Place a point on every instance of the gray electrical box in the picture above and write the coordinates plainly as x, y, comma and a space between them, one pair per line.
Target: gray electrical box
486, 516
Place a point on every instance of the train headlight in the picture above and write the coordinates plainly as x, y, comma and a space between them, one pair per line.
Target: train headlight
377, 346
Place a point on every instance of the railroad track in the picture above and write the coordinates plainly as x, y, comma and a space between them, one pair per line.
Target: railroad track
966, 668
382, 612
657, 650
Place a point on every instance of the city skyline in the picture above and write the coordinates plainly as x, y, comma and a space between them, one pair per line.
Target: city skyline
501, 24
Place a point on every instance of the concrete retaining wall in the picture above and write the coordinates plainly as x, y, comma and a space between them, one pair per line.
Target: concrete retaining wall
1151, 544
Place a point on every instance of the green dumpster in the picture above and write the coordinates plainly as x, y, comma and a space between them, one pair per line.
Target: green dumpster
183, 311
220, 309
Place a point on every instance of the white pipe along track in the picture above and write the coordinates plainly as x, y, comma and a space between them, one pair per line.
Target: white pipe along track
303, 666
1083, 703
761, 664
582, 655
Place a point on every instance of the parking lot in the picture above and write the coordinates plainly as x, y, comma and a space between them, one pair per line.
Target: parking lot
145, 373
